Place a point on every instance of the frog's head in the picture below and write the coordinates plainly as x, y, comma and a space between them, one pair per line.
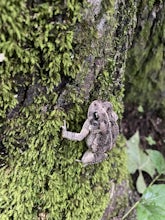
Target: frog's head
99, 109
94, 110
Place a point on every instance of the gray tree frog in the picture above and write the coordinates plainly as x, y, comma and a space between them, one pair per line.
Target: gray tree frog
100, 130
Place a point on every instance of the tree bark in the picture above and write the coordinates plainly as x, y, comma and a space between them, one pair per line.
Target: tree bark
145, 69
60, 56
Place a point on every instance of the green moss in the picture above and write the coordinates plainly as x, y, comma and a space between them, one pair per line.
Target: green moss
108, 5
145, 68
151, 3
40, 175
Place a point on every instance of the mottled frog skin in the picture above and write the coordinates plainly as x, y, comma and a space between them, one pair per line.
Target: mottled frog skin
100, 130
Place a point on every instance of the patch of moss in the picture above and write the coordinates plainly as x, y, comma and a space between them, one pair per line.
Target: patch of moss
44, 56
145, 64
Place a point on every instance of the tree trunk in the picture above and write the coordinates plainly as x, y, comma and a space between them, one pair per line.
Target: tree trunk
60, 56
145, 71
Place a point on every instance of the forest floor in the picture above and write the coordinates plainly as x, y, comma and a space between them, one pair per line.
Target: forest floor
148, 124
151, 127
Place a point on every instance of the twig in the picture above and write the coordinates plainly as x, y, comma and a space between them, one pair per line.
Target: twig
131, 209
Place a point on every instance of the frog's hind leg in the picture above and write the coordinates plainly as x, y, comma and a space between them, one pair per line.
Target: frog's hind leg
92, 158
87, 158
99, 157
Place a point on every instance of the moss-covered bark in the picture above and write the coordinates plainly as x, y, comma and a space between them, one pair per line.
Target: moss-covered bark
145, 72
60, 55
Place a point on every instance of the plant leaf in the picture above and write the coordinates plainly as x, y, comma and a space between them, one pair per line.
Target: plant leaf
157, 160
152, 206
133, 152
150, 140
140, 183
140, 109
137, 158
146, 163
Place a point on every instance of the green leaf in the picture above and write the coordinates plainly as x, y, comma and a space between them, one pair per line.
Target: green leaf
152, 206
140, 183
133, 152
137, 158
140, 109
150, 140
157, 160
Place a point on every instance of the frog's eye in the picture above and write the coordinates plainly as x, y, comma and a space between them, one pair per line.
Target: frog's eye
96, 116
95, 123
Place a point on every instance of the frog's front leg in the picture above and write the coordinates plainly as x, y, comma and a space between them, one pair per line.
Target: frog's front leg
76, 136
